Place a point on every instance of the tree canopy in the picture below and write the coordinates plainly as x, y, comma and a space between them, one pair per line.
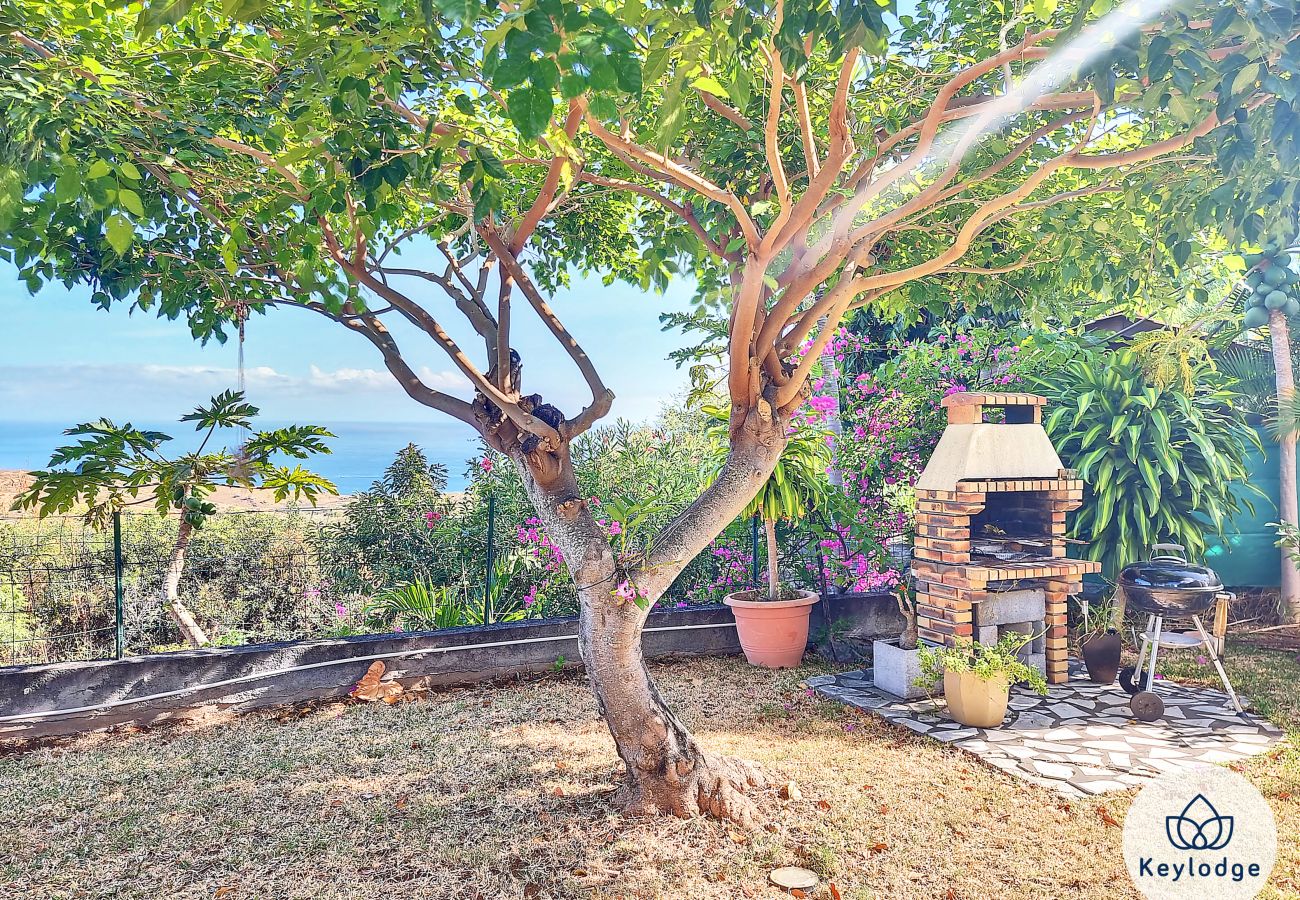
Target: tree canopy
798, 159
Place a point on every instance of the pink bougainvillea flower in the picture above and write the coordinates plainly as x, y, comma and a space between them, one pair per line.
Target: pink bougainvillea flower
340, 610
486, 465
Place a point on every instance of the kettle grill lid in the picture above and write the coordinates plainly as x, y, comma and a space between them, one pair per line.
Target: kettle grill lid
1170, 574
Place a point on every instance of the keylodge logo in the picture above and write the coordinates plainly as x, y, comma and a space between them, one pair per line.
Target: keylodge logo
1199, 827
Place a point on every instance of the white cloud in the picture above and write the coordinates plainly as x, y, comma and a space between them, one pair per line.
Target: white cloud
151, 391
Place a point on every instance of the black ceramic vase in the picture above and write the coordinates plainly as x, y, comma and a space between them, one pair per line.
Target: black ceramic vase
1101, 655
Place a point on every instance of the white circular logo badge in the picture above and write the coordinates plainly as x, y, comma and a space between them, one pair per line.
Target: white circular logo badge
1200, 833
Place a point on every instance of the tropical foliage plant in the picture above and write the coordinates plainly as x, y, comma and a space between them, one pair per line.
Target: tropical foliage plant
421, 606
1157, 464
113, 465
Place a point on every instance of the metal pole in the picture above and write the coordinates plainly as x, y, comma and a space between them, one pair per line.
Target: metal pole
821, 559
753, 549
491, 561
119, 642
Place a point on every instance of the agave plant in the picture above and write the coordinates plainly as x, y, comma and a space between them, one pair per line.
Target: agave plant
798, 485
1158, 464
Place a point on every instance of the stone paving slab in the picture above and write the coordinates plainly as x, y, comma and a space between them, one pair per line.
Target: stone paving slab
1081, 739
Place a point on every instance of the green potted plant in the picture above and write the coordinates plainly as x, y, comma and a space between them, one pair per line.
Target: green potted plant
772, 622
977, 678
1100, 642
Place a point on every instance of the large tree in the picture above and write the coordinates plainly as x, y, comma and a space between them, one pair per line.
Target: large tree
798, 159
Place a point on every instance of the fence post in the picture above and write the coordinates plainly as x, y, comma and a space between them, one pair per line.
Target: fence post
491, 559
753, 550
119, 631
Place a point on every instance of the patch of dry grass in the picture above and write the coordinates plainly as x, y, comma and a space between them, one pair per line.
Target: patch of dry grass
502, 792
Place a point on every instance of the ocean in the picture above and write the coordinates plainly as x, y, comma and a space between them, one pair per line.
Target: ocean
362, 450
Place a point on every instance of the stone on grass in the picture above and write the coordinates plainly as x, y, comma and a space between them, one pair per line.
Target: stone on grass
790, 878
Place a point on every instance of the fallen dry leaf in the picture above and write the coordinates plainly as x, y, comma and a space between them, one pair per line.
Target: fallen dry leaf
835, 892
884, 809
1107, 817
370, 688
878, 847
224, 891
790, 791
557, 792
823, 805
797, 892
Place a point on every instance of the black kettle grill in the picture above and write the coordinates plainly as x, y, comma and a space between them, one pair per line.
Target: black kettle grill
1167, 585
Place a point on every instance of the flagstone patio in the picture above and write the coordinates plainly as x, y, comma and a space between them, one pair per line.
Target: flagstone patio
1080, 739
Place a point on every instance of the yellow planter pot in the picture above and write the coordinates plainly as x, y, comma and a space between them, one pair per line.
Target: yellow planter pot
976, 703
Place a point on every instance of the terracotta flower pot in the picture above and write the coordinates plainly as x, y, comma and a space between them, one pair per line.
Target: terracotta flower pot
773, 633
1101, 656
974, 702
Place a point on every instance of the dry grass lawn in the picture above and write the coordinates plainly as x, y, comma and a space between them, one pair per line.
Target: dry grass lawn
502, 792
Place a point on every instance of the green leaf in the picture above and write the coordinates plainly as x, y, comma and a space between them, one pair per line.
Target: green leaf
130, 201
458, 10
711, 85
160, 13
530, 110
68, 185
119, 232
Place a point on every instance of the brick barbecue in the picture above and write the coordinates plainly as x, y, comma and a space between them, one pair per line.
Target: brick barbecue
990, 530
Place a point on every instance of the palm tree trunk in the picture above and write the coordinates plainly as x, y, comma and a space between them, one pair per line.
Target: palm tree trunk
190, 629
1287, 504
773, 568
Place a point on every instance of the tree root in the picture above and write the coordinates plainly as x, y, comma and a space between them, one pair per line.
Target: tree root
713, 786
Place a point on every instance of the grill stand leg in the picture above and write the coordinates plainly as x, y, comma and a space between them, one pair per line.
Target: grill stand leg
1155, 651
1214, 657
1142, 651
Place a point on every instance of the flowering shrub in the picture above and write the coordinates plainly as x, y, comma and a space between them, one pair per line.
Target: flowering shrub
892, 418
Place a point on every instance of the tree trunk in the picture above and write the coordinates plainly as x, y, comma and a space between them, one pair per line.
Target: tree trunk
666, 771
189, 626
773, 566
1278, 331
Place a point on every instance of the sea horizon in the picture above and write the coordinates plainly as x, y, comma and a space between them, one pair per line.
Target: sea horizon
361, 450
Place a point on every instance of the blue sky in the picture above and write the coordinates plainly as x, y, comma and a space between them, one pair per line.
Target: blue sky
63, 361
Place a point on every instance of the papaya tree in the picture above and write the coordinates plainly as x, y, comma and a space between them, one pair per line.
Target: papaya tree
114, 467
1272, 291
797, 159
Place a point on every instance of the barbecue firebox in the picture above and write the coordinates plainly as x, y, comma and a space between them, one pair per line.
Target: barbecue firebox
990, 528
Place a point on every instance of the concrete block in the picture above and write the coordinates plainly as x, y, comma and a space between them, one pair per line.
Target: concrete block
1005, 607
895, 670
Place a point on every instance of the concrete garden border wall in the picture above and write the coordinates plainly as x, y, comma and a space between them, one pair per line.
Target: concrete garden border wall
68, 698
